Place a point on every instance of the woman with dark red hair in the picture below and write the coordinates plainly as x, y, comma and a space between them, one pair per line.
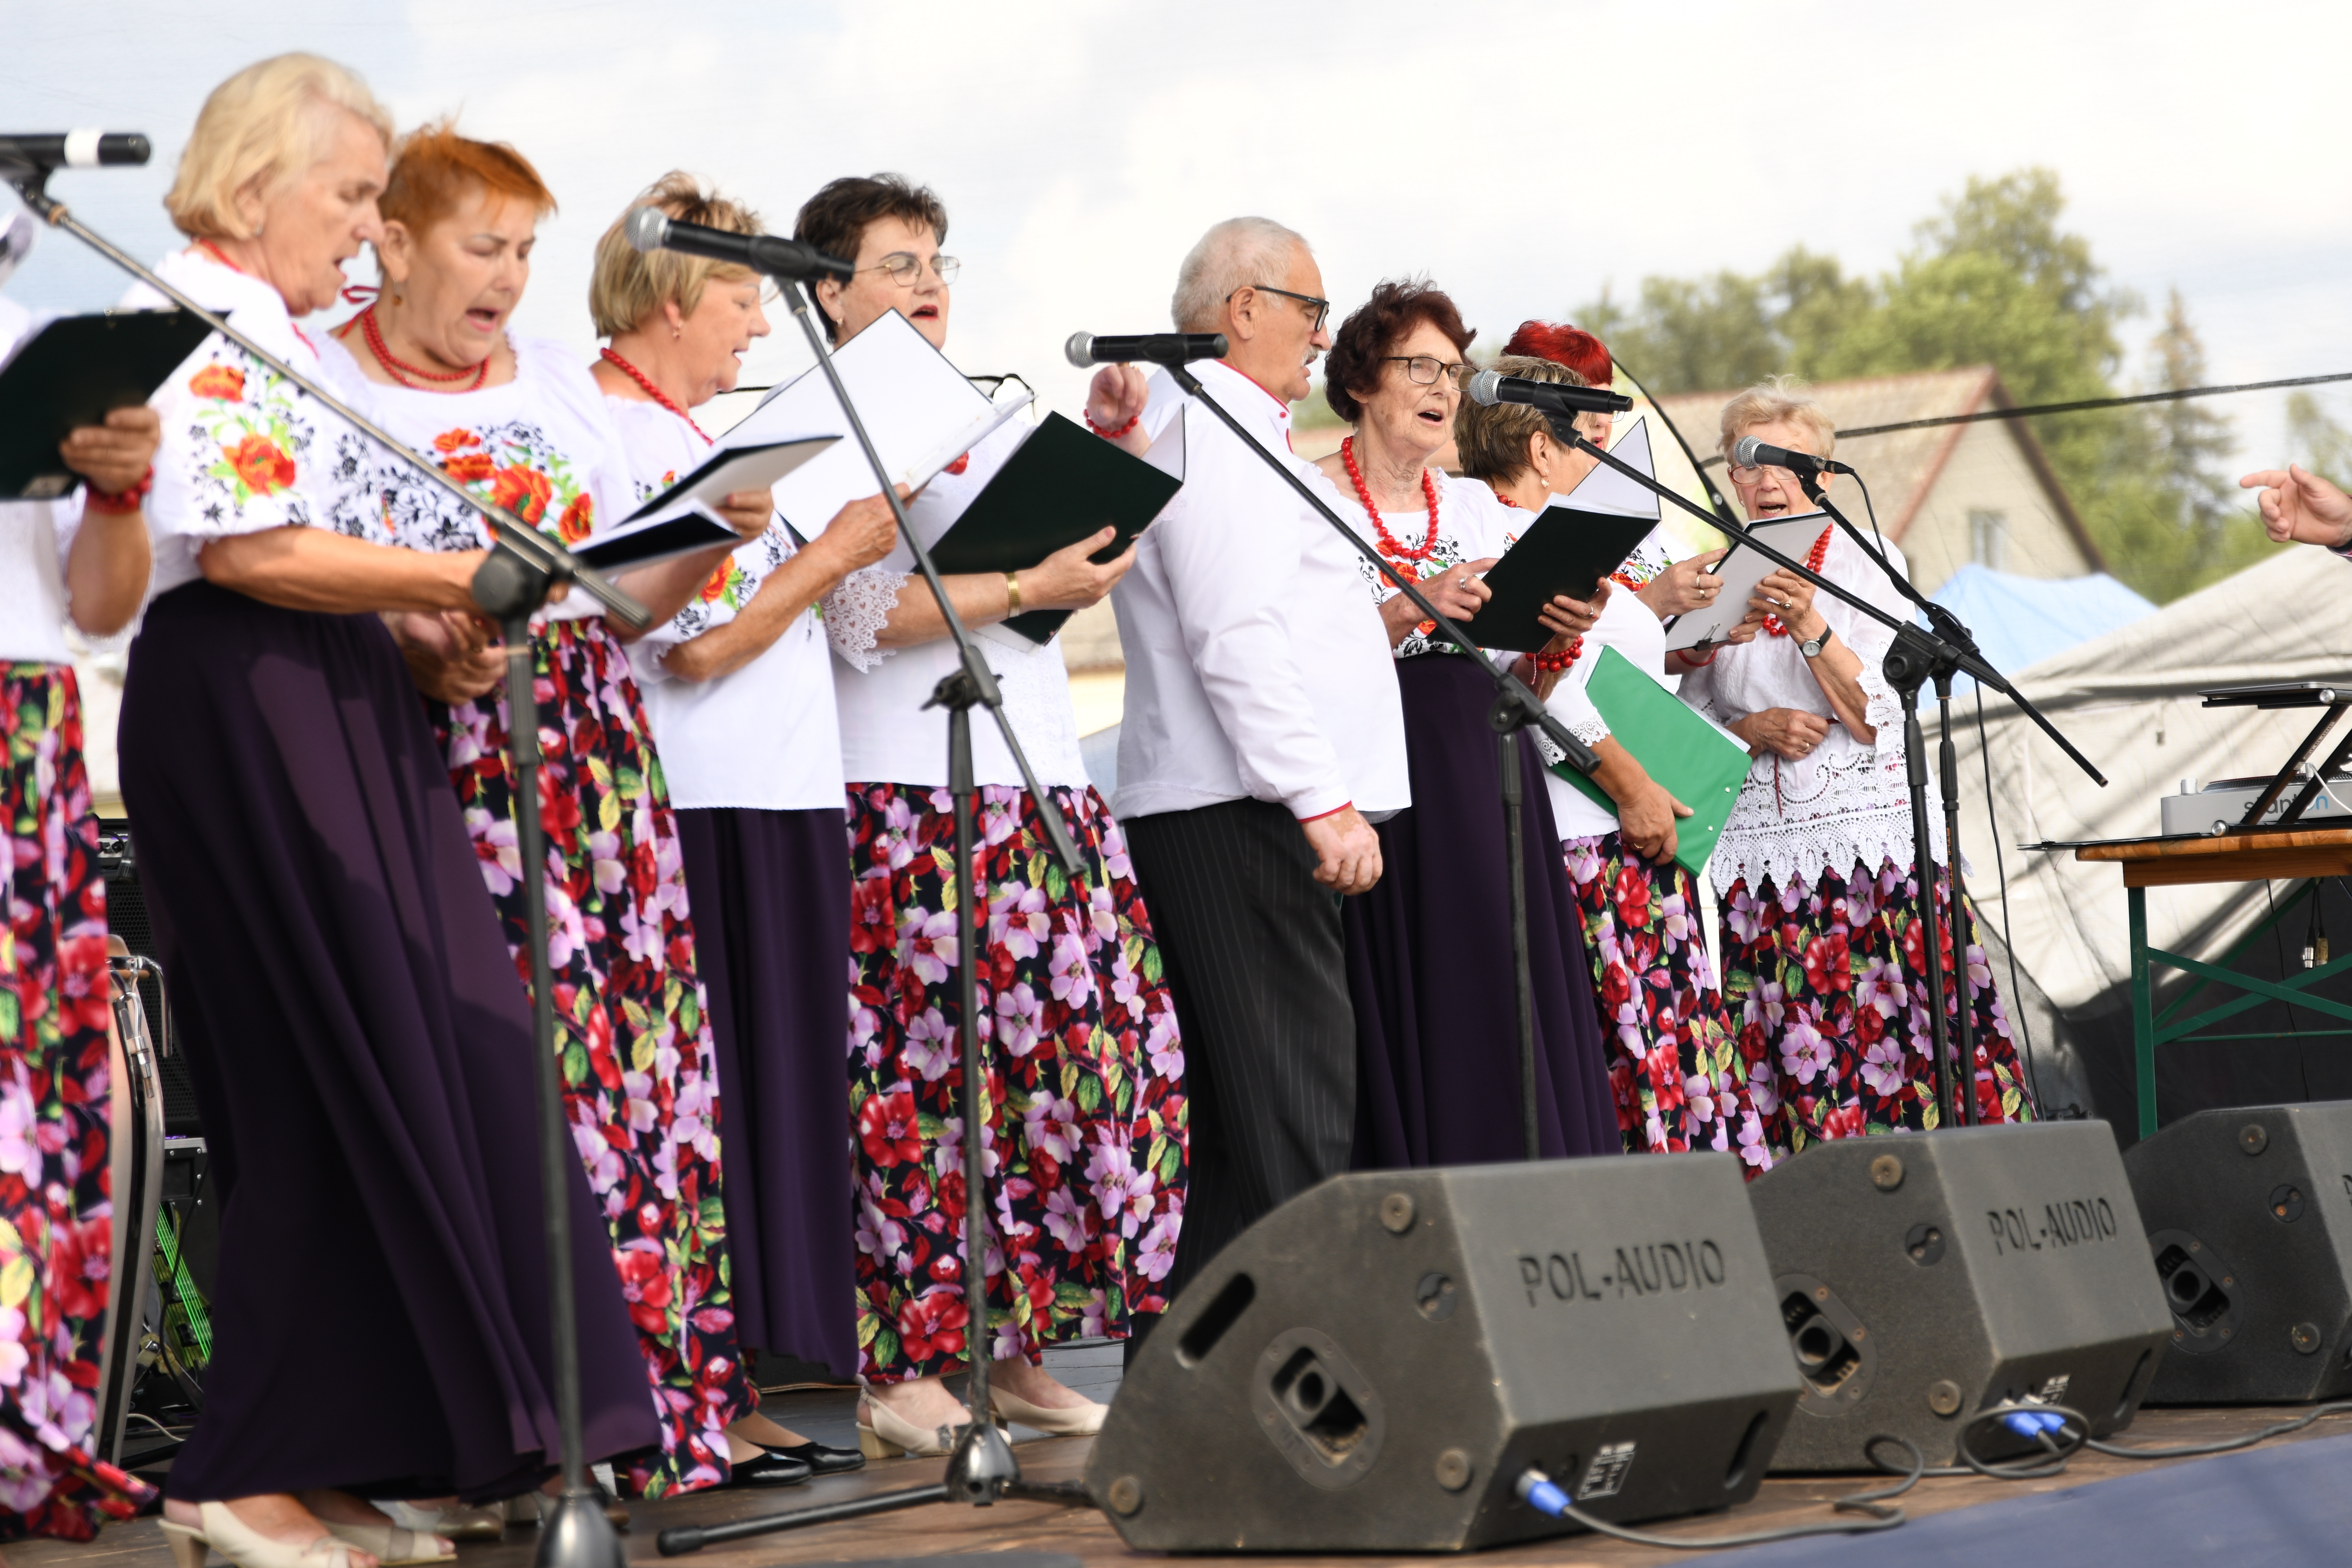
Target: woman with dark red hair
1429, 948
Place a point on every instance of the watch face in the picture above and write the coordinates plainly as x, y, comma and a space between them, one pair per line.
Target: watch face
1812, 650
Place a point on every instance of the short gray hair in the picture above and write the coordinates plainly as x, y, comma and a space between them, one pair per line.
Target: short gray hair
1239, 253
261, 131
1776, 399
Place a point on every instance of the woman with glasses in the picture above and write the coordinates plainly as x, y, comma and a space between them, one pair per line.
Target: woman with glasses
1824, 949
1088, 1114
1429, 946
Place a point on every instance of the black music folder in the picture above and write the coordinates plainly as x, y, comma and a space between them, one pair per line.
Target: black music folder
1062, 485
73, 372
1568, 550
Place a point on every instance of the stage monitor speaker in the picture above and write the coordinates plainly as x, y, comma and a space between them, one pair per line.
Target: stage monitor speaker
126, 916
1373, 1365
1923, 1278
2249, 1218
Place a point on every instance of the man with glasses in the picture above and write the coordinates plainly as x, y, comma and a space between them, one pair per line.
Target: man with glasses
1263, 728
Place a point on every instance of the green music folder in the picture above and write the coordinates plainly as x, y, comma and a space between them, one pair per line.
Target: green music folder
1697, 761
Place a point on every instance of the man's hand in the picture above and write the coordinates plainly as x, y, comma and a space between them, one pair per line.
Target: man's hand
2300, 507
1347, 851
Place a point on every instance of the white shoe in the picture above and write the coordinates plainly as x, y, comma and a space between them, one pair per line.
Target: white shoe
1072, 1421
883, 1434
246, 1547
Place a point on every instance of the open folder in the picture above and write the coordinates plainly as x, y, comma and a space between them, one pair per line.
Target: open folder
1063, 484
685, 517
1742, 569
74, 371
1579, 539
1698, 762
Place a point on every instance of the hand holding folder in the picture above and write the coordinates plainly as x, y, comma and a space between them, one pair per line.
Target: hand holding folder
1699, 763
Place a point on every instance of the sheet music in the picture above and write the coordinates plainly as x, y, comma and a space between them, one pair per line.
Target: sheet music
1741, 570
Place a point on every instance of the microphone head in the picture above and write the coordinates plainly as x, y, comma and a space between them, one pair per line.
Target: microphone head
647, 228
1743, 452
1079, 349
1483, 387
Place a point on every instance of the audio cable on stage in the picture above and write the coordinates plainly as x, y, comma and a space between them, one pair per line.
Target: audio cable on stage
1543, 1494
2227, 1445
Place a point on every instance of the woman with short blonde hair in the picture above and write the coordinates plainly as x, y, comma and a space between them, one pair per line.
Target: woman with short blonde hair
360, 1044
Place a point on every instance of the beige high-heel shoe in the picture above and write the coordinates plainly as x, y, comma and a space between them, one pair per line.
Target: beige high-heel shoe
456, 1522
246, 1547
1075, 1421
888, 1434
395, 1545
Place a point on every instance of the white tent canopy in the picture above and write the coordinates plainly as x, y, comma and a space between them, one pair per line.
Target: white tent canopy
2129, 702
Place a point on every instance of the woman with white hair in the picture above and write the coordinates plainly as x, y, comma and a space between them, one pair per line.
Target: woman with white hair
1824, 949
361, 1047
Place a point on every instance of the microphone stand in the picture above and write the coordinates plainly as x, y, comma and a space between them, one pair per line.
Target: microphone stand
981, 1468
1916, 658
522, 567
1515, 708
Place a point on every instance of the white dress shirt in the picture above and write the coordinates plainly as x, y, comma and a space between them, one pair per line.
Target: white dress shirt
33, 538
763, 736
1256, 664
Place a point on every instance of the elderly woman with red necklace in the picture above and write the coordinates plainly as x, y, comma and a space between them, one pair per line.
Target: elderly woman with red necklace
1089, 1130
738, 687
1675, 1065
1429, 948
1815, 874
522, 423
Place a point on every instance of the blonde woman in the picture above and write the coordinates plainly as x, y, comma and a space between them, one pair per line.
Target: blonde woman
360, 1044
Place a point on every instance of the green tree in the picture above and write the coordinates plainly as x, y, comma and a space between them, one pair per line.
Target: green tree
2319, 443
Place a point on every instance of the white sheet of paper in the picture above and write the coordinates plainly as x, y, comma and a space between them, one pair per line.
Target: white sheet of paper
1741, 570
1167, 453
1606, 490
920, 412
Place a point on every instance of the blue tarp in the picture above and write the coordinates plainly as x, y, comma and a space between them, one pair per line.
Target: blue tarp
2021, 621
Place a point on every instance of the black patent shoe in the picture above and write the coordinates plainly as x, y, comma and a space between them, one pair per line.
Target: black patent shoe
771, 1468
822, 1459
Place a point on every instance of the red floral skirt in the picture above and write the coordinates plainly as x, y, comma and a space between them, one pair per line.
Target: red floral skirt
1087, 1127
56, 1213
1677, 1067
1831, 983
630, 1033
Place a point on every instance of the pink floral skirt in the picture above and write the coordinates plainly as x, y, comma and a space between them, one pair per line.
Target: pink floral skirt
1087, 1125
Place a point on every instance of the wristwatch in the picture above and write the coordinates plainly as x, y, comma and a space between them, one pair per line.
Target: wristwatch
1812, 649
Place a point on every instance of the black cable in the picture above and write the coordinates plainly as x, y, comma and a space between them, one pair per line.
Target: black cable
2008, 942
2052, 1461
2227, 1445
1874, 1503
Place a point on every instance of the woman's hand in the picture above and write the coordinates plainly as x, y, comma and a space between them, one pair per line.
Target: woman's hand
1066, 580
1458, 593
747, 512
860, 534
1646, 822
450, 654
1789, 597
1116, 396
1787, 732
2300, 507
115, 457
1567, 618
1683, 587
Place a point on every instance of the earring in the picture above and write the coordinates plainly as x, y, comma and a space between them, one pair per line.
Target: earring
678, 333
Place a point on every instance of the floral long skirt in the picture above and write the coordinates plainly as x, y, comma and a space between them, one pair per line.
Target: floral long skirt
1677, 1069
1085, 1126
1831, 981
631, 1031
56, 1213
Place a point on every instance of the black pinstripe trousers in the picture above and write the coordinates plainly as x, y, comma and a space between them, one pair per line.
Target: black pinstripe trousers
1256, 962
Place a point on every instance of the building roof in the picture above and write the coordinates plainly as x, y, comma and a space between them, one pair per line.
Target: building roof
1901, 465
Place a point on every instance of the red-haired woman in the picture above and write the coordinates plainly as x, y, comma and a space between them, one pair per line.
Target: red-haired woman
522, 423
1429, 948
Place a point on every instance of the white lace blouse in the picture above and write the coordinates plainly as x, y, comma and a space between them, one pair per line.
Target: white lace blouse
888, 736
1848, 802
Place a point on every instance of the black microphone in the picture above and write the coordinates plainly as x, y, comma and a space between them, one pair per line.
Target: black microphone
74, 149
1084, 349
1750, 452
1491, 387
650, 228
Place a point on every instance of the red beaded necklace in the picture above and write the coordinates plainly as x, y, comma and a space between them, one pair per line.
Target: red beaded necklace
400, 370
1391, 546
653, 392
1557, 663
1813, 558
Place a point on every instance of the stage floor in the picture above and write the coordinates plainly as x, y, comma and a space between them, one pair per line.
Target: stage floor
1085, 1535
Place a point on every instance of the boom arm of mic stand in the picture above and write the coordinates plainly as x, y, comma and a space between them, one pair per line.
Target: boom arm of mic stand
539, 553
1508, 687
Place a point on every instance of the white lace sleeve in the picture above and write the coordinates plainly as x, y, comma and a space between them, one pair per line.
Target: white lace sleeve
856, 612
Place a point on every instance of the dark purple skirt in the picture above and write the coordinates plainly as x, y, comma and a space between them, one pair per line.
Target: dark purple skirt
770, 899
362, 1058
1429, 956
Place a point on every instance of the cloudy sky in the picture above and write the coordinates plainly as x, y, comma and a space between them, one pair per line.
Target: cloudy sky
1525, 153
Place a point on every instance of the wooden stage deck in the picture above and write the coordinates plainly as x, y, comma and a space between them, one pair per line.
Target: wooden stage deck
1087, 1535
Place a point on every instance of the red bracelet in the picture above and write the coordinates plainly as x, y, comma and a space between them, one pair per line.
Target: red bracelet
97, 500
1111, 435
1557, 663
1700, 664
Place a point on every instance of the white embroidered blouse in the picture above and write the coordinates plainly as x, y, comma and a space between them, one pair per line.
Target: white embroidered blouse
35, 537
1848, 802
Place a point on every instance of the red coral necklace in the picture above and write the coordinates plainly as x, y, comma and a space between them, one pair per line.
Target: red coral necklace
1813, 558
653, 392
1391, 546
400, 370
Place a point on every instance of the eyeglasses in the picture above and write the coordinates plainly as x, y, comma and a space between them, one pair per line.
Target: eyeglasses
1321, 308
1755, 475
1425, 369
906, 269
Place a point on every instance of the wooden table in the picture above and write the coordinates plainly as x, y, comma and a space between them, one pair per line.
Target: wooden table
2307, 852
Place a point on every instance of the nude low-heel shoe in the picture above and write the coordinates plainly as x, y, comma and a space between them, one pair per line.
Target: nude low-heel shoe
395, 1545
882, 1434
1077, 1421
246, 1547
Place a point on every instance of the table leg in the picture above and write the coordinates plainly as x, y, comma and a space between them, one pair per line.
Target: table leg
2143, 1006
